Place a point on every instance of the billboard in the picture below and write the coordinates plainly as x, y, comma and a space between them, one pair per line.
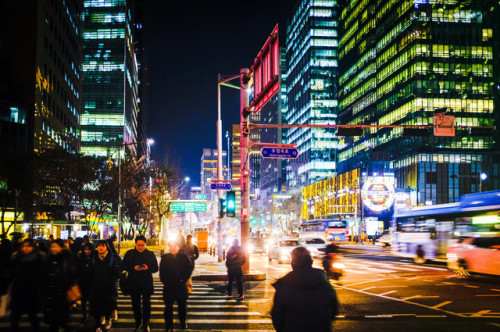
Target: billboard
378, 193
266, 72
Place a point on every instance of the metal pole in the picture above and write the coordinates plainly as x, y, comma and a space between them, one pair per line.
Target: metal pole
219, 171
119, 198
245, 170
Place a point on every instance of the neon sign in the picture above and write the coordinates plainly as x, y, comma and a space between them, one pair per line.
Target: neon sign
378, 193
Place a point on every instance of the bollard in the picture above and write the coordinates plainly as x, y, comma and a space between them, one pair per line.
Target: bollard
223, 254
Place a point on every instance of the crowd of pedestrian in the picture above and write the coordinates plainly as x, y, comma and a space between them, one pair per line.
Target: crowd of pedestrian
42, 276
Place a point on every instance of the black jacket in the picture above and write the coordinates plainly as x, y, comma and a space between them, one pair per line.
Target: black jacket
105, 273
60, 275
175, 270
141, 281
235, 258
304, 301
26, 281
84, 270
191, 250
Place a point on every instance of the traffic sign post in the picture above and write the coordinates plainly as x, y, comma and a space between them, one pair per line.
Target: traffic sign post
220, 186
279, 153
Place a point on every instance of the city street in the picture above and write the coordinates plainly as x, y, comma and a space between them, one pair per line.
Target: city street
379, 292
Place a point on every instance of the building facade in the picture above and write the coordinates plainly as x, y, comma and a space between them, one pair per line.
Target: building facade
311, 83
40, 91
110, 78
209, 173
401, 63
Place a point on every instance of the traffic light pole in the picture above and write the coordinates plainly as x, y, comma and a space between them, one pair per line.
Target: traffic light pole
244, 168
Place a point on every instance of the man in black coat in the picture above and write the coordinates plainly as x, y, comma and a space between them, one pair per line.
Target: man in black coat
105, 271
175, 271
140, 264
304, 299
235, 260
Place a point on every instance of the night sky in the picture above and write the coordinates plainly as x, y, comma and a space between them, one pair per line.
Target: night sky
189, 43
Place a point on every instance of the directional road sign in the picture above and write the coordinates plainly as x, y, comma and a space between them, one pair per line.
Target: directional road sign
280, 153
220, 186
201, 197
188, 207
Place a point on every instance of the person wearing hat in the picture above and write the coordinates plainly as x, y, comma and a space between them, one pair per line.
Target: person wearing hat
304, 299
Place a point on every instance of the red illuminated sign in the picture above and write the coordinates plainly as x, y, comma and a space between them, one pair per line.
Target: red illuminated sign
266, 71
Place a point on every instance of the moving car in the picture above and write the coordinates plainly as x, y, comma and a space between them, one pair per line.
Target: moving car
281, 250
315, 245
257, 245
385, 239
475, 255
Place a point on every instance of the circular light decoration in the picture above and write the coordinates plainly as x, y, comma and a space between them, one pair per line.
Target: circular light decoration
378, 194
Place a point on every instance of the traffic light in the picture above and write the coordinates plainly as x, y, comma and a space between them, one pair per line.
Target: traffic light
343, 131
231, 204
222, 206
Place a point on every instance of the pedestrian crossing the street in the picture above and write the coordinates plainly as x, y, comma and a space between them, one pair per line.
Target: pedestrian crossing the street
207, 310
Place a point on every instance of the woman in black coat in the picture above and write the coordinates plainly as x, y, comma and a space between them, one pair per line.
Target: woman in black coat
85, 275
105, 273
175, 271
27, 267
60, 275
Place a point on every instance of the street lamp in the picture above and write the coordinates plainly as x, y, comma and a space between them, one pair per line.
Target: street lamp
482, 177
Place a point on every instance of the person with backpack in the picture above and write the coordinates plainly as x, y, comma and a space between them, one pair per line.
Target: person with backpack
140, 263
235, 260
105, 272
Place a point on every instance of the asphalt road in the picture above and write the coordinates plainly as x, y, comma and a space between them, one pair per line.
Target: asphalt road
381, 292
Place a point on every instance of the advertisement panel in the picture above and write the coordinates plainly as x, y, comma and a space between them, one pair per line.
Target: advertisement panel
266, 72
378, 193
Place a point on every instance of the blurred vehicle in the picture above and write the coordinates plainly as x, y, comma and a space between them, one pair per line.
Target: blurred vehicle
326, 229
427, 232
315, 245
257, 245
385, 239
332, 262
281, 250
201, 238
479, 255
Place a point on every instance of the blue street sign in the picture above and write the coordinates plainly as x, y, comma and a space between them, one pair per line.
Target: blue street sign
280, 153
220, 186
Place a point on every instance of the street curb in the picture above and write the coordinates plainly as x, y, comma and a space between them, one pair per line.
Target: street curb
253, 276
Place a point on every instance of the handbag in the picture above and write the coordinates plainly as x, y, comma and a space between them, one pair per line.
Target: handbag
73, 293
189, 285
125, 283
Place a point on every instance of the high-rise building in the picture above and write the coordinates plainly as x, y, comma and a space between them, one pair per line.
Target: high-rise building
401, 63
110, 78
40, 84
209, 173
311, 83
40, 90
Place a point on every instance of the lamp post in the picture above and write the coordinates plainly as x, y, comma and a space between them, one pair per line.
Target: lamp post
482, 177
220, 81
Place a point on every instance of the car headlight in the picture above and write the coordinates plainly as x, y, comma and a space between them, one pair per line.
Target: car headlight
338, 266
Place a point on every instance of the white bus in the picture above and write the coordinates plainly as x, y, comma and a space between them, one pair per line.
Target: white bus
427, 232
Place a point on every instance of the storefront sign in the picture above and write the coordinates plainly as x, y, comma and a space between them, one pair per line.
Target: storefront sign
378, 193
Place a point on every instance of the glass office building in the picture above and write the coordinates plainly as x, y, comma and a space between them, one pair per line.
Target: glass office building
311, 52
401, 63
110, 78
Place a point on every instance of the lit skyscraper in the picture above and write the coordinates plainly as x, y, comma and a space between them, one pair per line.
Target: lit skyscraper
311, 51
403, 61
110, 78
